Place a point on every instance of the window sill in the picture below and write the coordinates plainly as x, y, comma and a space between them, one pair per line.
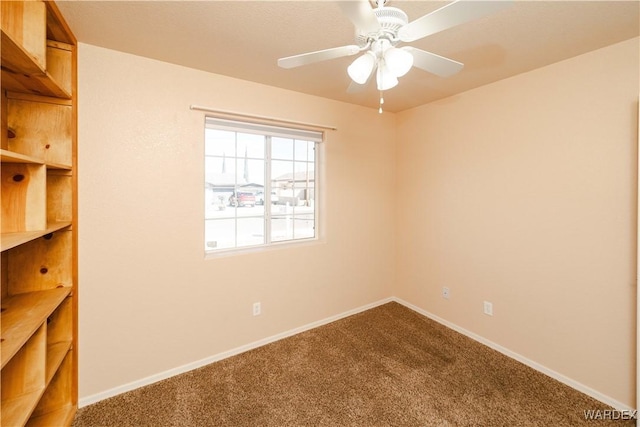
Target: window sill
222, 253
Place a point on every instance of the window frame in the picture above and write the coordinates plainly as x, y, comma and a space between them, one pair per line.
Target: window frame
268, 132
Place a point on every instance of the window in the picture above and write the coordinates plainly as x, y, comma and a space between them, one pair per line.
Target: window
260, 184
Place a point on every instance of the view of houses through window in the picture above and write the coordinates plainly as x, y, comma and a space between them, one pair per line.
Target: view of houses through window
260, 185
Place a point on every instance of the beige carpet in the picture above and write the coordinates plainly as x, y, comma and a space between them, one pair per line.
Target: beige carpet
388, 366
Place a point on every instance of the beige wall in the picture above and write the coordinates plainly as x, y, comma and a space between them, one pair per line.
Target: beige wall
150, 302
523, 193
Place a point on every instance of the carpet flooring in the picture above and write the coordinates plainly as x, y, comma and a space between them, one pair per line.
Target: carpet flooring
388, 366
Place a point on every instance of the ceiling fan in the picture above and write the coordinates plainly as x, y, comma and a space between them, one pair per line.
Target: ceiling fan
380, 30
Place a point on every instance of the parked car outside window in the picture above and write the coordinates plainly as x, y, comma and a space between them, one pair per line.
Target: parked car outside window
242, 199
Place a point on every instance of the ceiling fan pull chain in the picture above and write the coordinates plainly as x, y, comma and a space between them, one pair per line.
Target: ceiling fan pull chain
381, 102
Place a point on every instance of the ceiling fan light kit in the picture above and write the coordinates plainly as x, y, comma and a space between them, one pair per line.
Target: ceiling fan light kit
399, 61
385, 78
380, 30
391, 63
360, 70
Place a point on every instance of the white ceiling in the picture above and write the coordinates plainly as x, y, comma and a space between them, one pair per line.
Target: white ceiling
244, 39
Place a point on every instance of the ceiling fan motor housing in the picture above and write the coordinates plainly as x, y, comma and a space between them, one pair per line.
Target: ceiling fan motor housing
391, 19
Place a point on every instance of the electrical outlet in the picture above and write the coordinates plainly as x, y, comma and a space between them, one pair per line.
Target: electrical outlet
257, 309
445, 292
488, 308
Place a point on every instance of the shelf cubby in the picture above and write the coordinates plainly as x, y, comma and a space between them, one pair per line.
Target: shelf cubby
42, 127
23, 379
22, 315
60, 66
54, 82
56, 401
59, 337
59, 196
41, 264
23, 197
24, 32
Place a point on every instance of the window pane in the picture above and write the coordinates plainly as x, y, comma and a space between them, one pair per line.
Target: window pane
311, 154
280, 207
216, 204
281, 172
219, 185
304, 206
244, 201
301, 169
303, 193
304, 150
303, 182
262, 196
220, 172
214, 165
250, 172
219, 143
282, 181
282, 148
219, 234
250, 231
281, 228
247, 210
250, 145
304, 226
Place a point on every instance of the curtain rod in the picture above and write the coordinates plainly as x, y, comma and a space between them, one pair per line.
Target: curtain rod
274, 120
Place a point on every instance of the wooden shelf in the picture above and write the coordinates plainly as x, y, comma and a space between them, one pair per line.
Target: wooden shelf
61, 417
36, 84
17, 58
16, 411
7, 156
11, 240
22, 315
55, 355
58, 166
21, 72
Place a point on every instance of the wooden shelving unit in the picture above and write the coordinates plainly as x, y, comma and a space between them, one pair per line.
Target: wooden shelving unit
38, 221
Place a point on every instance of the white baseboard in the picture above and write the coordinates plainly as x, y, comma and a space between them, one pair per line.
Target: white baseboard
88, 400
538, 367
233, 352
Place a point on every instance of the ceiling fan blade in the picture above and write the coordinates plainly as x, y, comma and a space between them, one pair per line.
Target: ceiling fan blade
432, 63
360, 13
449, 16
320, 55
